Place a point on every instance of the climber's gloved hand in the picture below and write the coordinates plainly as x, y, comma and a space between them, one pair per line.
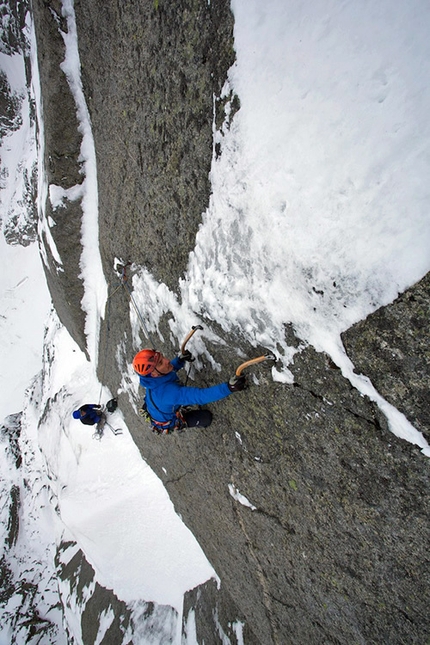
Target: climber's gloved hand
237, 383
186, 356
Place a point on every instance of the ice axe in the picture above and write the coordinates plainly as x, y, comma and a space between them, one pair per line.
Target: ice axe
116, 431
254, 361
99, 433
189, 335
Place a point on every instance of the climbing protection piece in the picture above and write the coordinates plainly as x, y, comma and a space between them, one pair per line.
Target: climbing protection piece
253, 361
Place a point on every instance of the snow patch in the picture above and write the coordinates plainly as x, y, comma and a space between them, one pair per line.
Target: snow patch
234, 492
95, 287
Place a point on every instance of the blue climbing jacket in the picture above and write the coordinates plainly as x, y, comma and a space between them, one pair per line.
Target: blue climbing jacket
165, 395
92, 414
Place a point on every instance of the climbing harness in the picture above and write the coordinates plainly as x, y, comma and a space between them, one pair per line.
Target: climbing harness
162, 427
166, 428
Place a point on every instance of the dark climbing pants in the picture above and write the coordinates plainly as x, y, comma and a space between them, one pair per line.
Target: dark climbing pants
198, 418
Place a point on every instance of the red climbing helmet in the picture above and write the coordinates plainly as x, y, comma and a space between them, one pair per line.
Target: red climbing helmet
145, 361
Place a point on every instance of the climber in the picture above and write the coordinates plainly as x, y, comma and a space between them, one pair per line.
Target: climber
166, 399
91, 414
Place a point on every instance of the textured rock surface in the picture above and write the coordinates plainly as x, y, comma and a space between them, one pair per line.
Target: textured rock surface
162, 63
62, 149
336, 548
392, 348
18, 215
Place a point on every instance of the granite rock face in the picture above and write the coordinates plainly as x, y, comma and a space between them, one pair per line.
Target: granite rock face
63, 169
392, 348
18, 214
162, 63
333, 547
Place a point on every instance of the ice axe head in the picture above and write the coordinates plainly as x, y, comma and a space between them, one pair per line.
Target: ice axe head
188, 336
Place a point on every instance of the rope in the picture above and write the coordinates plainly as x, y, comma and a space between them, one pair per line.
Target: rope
123, 283
139, 315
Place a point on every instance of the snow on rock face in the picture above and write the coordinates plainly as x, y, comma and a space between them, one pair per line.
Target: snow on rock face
29, 596
310, 222
18, 172
391, 347
102, 487
39, 462
309, 228
338, 507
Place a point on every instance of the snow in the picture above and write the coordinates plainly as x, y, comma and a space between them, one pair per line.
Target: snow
24, 298
190, 629
106, 619
21, 278
111, 501
237, 495
108, 498
320, 206
319, 215
21, 323
95, 285
13, 66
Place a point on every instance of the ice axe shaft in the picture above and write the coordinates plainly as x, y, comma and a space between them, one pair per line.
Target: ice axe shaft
253, 361
116, 431
189, 335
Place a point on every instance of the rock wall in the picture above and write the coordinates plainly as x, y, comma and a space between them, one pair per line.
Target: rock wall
392, 348
162, 64
62, 141
336, 548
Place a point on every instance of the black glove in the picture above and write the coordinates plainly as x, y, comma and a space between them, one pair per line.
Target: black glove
237, 383
186, 356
